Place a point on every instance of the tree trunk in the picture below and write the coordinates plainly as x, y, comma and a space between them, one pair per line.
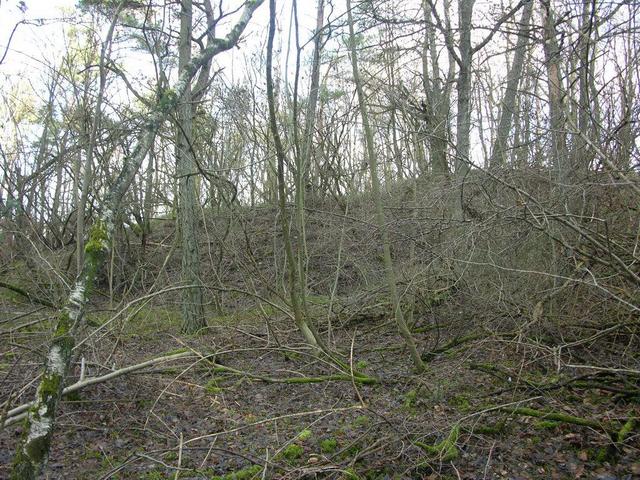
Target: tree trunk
304, 160
87, 173
438, 95
556, 95
292, 273
581, 154
500, 145
375, 191
193, 318
463, 87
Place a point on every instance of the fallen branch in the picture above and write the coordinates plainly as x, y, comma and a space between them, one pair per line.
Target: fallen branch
29, 296
455, 342
616, 433
523, 382
16, 414
505, 375
557, 417
356, 377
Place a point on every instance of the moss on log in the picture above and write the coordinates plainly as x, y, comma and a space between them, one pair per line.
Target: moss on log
357, 377
446, 450
557, 416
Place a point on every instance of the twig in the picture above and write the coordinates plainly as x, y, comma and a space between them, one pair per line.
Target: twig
29, 296
274, 419
177, 475
606, 369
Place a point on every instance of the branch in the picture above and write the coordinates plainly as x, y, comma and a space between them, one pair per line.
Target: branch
16, 414
32, 298
497, 26
448, 39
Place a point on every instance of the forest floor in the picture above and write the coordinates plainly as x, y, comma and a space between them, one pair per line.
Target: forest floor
194, 419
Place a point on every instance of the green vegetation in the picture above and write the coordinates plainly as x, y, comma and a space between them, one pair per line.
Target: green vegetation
350, 474
328, 445
154, 475
497, 428
212, 388
446, 450
292, 452
410, 399
362, 421
170, 456
546, 424
626, 429
246, 473
168, 100
98, 241
461, 402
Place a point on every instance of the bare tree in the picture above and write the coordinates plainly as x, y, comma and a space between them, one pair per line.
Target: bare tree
375, 191
33, 451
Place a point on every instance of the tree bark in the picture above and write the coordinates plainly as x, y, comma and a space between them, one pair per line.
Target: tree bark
193, 318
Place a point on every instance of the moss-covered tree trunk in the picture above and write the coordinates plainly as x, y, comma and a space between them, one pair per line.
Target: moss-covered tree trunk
33, 450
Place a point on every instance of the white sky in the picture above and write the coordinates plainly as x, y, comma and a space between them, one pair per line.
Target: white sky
39, 42
31, 40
